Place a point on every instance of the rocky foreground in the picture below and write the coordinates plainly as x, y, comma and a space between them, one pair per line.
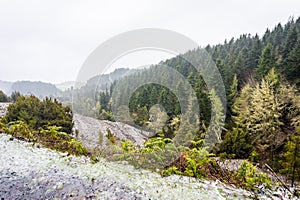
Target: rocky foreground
30, 172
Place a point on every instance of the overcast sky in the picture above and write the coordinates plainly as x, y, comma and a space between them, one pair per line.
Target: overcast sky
50, 40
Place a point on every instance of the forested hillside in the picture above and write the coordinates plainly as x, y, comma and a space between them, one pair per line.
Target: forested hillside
262, 78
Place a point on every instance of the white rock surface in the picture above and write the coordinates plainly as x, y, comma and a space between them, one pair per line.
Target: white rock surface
3, 108
89, 129
28, 172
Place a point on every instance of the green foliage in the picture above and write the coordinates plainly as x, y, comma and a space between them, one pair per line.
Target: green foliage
266, 61
233, 91
3, 97
15, 95
291, 159
37, 113
292, 69
265, 111
106, 115
237, 142
170, 171
290, 41
260, 112
3, 127
110, 136
250, 178
217, 120
155, 153
194, 162
254, 156
141, 116
127, 146
20, 129
50, 136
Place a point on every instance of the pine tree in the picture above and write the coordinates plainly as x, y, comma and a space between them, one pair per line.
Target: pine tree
292, 68
255, 52
142, 116
266, 61
264, 123
237, 141
233, 90
290, 42
217, 120
3, 97
241, 107
291, 161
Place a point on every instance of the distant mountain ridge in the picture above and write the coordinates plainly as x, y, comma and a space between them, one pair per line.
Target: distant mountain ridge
42, 89
36, 88
5, 86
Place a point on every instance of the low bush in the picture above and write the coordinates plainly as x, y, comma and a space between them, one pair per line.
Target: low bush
50, 136
249, 177
37, 113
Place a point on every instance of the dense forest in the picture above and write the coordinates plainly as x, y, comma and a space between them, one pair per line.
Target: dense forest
262, 79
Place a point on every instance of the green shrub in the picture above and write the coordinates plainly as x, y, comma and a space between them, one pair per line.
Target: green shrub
50, 137
37, 113
53, 138
291, 159
249, 177
20, 129
110, 136
3, 97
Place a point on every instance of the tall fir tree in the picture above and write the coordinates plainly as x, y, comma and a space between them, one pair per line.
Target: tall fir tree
292, 68
266, 61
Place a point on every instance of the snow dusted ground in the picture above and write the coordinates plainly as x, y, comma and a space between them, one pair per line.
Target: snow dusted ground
29, 172
3, 108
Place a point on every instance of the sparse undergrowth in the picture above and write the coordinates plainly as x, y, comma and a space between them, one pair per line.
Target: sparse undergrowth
50, 136
45, 122
193, 162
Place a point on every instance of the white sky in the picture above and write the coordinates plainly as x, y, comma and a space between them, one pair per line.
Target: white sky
50, 40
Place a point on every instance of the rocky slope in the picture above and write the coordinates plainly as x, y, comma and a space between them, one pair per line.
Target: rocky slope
89, 128
3, 108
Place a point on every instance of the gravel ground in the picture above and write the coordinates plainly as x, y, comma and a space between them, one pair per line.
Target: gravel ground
29, 172
3, 108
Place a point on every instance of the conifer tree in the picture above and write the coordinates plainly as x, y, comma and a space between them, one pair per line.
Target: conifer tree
290, 42
291, 162
292, 68
266, 61
264, 122
3, 97
237, 141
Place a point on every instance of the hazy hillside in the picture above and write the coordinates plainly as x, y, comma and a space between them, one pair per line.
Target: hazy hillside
5, 87
105, 80
39, 89
68, 85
